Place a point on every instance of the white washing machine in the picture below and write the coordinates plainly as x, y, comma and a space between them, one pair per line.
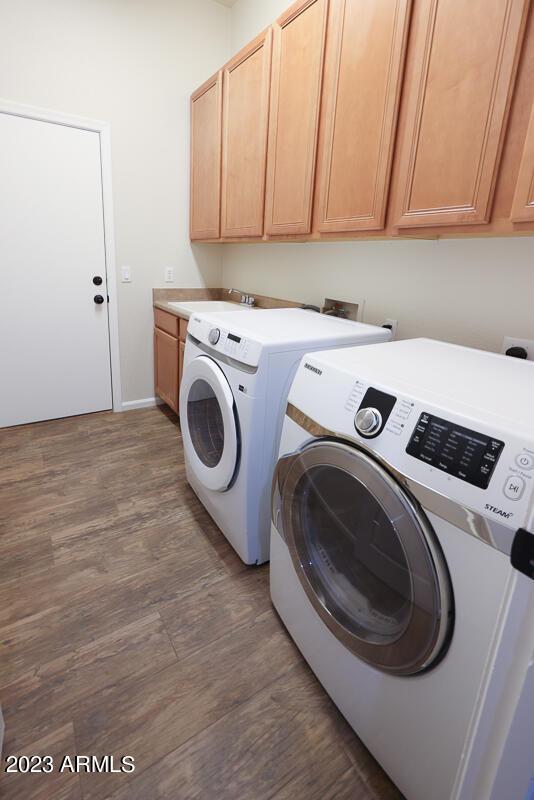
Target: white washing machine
402, 558
238, 368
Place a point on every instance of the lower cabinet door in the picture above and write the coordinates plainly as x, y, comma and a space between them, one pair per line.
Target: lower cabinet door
166, 360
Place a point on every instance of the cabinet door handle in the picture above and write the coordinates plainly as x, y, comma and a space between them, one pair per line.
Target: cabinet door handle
98, 299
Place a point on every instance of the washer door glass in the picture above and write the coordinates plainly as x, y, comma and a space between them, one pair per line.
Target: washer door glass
367, 557
205, 422
209, 427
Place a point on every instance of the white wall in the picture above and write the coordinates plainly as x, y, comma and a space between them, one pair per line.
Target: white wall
132, 63
471, 291
250, 17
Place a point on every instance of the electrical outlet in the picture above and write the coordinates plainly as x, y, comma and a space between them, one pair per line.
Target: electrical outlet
526, 344
126, 275
169, 274
392, 325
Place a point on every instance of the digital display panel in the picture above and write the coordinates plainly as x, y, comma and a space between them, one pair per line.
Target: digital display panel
234, 338
461, 452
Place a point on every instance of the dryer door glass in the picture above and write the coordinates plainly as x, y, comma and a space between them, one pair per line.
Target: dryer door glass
367, 557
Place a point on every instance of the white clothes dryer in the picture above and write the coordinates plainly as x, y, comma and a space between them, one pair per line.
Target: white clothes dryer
402, 557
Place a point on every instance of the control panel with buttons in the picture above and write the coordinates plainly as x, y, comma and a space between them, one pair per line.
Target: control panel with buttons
237, 347
525, 461
373, 413
462, 452
514, 487
471, 460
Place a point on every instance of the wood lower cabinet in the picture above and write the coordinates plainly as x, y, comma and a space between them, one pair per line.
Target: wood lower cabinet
246, 84
205, 172
363, 76
166, 358
169, 346
523, 206
457, 94
298, 51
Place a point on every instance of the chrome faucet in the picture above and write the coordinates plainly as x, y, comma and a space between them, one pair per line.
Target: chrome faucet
246, 299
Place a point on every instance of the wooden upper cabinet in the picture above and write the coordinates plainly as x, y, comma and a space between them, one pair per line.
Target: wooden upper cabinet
462, 60
246, 85
298, 50
364, 61
523, 206
205, 187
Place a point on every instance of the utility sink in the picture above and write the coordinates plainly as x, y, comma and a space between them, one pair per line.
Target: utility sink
188, 308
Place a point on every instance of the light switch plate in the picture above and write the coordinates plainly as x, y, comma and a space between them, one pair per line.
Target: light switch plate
126, 274
169, 274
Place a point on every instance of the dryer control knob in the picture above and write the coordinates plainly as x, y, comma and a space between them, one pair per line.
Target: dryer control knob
368, 421
214, 335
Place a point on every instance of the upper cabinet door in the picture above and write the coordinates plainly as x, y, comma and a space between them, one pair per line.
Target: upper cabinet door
363, 74
245, 118
298, 50
523, 206
206, 119
462, 63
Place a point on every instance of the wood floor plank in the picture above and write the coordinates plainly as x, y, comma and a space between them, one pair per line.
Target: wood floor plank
52, 619
155, 715
138, 649
55, 785
251, 753
204, 616
18, 563
129, 626
19, 465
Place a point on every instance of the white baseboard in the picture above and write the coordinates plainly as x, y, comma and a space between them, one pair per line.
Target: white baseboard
130, 405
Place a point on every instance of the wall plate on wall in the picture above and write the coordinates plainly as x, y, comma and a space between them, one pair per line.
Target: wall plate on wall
526, 344
348, 310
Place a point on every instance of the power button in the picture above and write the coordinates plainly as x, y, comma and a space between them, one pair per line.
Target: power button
525, 461
514, 487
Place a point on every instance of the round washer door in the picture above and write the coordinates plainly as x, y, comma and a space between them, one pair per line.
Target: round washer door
209, 427
367, 557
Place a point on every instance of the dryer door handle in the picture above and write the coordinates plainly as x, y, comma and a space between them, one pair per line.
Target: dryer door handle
522, 555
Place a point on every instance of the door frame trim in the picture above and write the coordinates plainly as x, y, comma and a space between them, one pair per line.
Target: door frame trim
103, 130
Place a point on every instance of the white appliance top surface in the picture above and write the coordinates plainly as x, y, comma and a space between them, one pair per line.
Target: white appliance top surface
290, 326
459, 377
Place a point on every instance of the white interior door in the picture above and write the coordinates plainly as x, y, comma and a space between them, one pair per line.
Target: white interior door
54, 337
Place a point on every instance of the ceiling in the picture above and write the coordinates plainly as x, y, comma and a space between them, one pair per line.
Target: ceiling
228, 3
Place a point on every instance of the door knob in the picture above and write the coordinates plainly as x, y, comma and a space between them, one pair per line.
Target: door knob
97, 280
98, 299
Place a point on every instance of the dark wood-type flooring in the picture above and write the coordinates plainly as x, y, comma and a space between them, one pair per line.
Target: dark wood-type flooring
128, 626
